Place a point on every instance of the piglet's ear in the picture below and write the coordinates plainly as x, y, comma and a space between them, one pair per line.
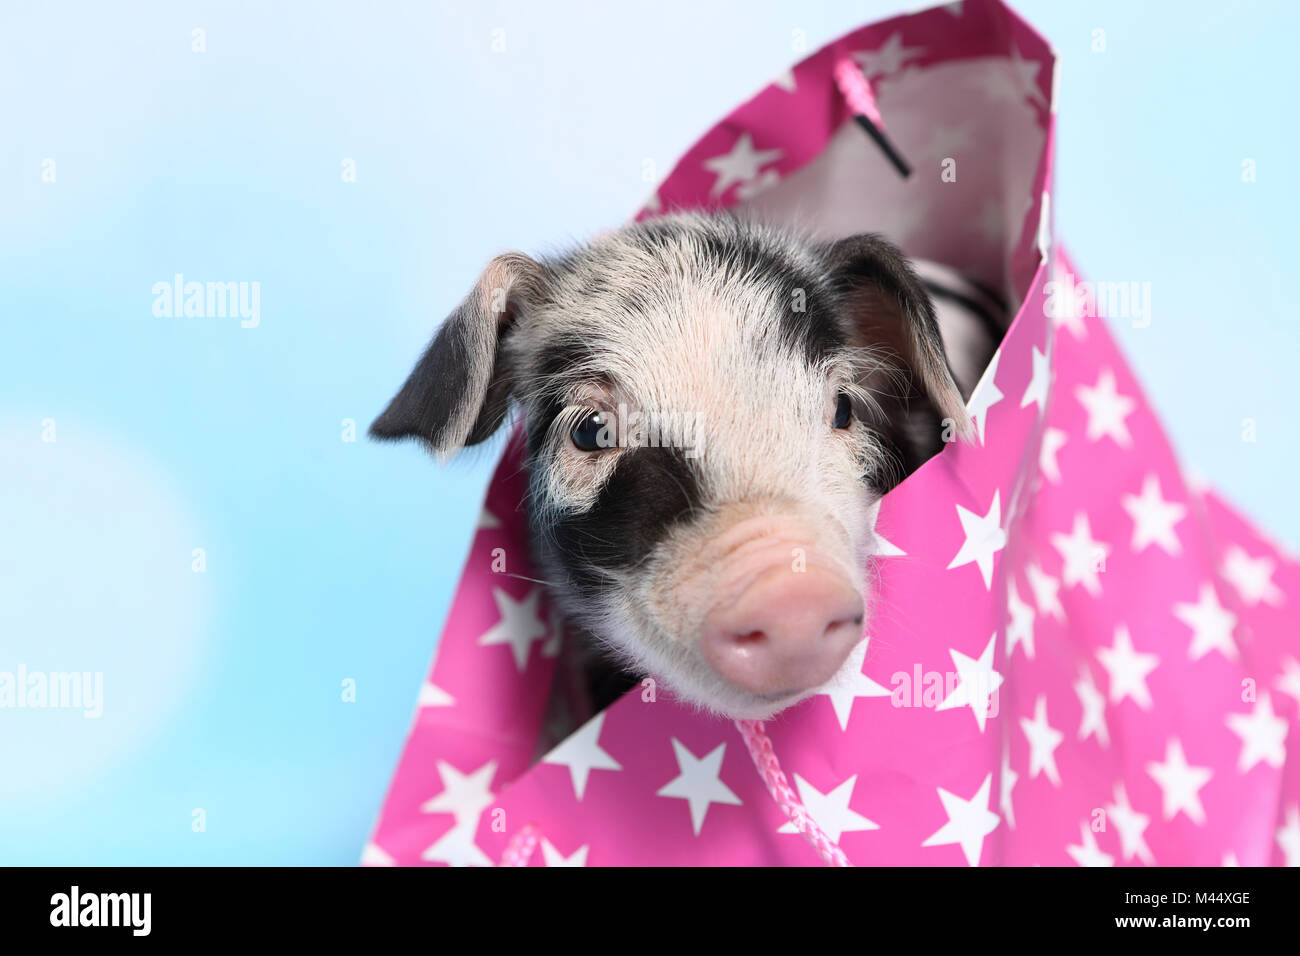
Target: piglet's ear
459, 391
889, 306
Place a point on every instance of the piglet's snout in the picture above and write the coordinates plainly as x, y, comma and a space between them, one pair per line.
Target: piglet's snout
785, 630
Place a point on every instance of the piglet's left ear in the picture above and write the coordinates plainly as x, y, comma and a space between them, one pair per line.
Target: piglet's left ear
459, 391
889, 306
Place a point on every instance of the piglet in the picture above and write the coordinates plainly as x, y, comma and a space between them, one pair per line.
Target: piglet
712, 409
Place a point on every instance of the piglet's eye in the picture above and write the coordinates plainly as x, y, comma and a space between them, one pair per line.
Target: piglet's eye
843, 412
589, 434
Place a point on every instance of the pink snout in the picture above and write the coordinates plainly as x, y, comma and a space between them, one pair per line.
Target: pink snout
787, 630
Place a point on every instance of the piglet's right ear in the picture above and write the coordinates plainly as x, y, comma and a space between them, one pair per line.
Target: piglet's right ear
889, 305
459, 391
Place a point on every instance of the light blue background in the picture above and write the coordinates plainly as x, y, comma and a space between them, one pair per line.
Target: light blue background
329, 560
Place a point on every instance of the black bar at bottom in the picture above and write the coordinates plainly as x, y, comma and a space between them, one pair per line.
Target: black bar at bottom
438, 906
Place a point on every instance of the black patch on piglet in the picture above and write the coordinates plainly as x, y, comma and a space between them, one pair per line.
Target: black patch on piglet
651, 491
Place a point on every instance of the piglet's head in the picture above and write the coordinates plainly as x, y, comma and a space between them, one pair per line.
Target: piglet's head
712, 408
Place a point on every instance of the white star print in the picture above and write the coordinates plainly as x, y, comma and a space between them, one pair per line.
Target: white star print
978, 682
375, 855
1107, 409
1039, 380
759, 184
1131, 826
487, 519
984, 538
1020, 629
1089, 854
1252, 577
432, 695
1128, 669
1045, 588
851, 684
1053, 441
554, 857
1154, 518
785, 81
1043, 741
456, 847
519, 626
1288, 682
969, 821
464, 795
699, 783
1084, 557
830, 810
886, 549
1288, 837
740, 165
1094, 708
582, 753
888, 59
1013, 80
1025, 73
1071, 317
1180, 783
1263, 736
1009, 778
1211, 625
986, 395
1064, 307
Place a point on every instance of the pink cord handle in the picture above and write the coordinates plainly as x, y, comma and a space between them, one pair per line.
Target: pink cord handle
760, 749
857, 91
521, 847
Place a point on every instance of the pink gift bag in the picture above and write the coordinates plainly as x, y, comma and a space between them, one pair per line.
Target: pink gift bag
1074, 654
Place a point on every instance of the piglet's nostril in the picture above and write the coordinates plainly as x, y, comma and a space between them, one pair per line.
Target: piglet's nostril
784, 632
844, 629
